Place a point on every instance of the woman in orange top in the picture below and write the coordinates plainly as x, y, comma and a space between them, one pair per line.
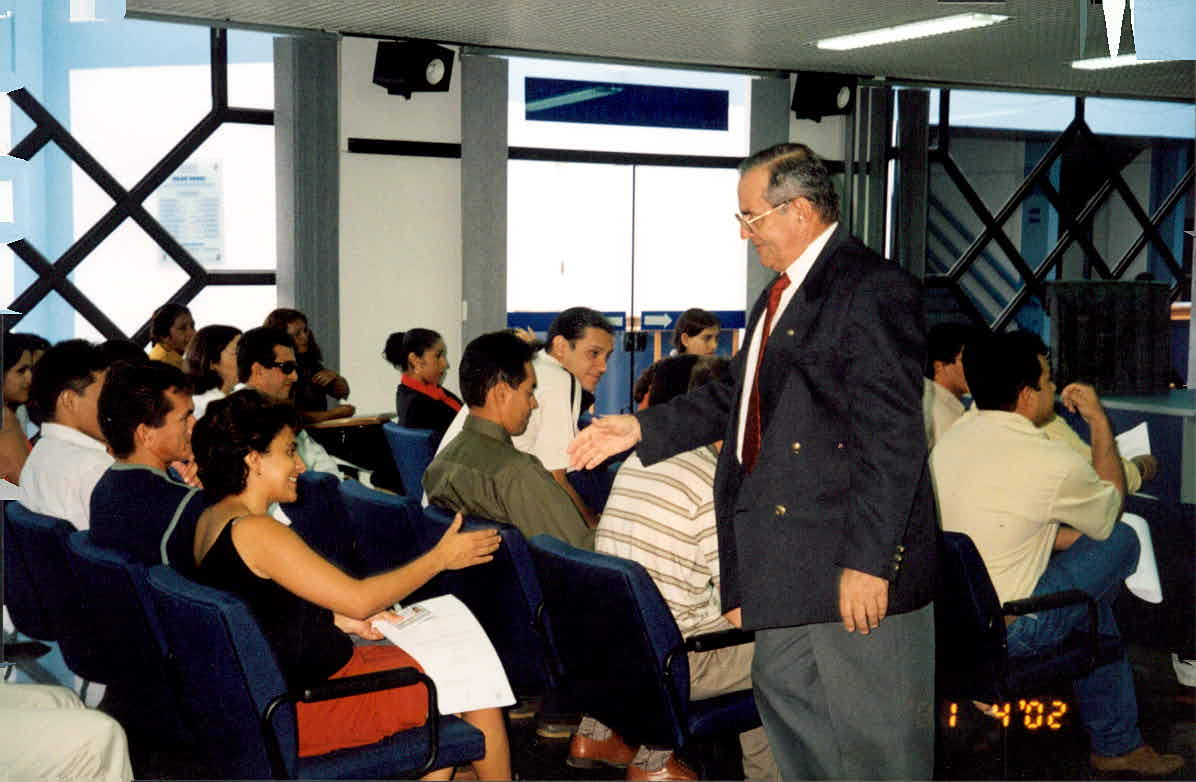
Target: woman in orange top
171, 331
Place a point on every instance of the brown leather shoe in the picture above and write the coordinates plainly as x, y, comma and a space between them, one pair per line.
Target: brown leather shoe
672, 769
585, 752
1143, 760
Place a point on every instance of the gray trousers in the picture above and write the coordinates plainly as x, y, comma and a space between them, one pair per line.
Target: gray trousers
839, 705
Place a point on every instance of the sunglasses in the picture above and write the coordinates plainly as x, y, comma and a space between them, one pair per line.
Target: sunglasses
287, 367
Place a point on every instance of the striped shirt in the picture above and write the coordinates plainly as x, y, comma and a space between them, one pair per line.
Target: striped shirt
663, 518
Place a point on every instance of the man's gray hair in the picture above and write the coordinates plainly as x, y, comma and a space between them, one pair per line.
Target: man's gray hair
796, 172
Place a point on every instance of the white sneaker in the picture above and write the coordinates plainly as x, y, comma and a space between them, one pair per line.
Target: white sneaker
1185, 670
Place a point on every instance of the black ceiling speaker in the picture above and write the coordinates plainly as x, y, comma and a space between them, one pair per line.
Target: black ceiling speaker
404, 67
817, 95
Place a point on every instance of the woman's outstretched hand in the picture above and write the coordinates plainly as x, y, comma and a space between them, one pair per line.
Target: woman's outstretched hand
465, 549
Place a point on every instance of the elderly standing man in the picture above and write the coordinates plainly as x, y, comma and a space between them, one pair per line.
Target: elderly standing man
825, 515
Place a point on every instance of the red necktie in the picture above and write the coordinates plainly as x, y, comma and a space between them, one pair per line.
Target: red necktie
751, 429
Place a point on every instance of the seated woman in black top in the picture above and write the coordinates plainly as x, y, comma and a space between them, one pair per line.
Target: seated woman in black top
306, 607
420, 401
316, 382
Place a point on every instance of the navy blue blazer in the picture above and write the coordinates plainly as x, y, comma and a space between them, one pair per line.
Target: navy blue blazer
842, 477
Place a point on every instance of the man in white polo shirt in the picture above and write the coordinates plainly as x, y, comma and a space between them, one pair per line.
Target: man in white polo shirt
71, 455
1022, 497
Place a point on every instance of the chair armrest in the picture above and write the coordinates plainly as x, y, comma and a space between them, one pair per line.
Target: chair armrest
710, 641
1057, 600
332, 689
365, 682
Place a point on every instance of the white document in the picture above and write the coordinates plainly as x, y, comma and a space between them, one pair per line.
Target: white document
443, 635
1134, 442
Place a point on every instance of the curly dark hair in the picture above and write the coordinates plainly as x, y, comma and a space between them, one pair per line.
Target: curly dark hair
232, 427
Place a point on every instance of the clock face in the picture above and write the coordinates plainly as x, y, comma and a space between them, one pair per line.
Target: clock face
435, 71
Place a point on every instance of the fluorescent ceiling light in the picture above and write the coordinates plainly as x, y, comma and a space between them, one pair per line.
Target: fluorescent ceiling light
908, 32
1100, 63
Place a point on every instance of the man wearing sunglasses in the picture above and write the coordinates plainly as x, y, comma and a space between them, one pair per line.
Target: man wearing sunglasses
825, 517
266, 363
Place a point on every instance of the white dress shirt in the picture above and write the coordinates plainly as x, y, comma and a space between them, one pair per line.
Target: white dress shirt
62, 469
796, 272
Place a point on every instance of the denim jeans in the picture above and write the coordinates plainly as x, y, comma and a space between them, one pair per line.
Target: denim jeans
1106, 699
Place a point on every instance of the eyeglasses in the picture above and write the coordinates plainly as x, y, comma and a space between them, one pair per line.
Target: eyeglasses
749, 223
287, 367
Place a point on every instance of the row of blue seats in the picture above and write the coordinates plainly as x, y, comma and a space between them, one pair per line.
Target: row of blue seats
186, 666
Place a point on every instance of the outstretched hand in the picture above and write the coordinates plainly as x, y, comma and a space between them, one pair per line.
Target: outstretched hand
605, 437
465, 549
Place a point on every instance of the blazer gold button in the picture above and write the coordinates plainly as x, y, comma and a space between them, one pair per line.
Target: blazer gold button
901, 548
897, 557
840, 446
789, 332
796, 447
779, 510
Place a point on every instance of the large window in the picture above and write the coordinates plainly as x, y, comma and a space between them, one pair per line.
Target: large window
621, 191
151, 174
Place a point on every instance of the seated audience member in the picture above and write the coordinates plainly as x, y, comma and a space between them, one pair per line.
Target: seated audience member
71, 455
1020, 497
114, 350
481, 471
580, 340
421, 402
663, 518
146, 416
266, 362
316, 382
18, 373
945, 383
696, 333
211, 364
49, 734
307, 608
38, 345
171, 330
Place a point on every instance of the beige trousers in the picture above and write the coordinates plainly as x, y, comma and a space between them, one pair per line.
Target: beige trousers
728, 670
47, 733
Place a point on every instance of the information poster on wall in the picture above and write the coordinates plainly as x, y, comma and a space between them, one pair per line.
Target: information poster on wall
191, 209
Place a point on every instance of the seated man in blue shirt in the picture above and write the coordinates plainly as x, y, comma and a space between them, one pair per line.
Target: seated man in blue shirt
146, 415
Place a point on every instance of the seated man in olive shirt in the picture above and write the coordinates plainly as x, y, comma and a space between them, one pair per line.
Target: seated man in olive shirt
480, 472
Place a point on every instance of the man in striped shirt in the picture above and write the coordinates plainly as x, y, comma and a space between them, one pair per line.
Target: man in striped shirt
663, 517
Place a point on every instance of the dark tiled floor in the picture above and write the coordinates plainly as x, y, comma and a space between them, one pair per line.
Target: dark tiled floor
975, 747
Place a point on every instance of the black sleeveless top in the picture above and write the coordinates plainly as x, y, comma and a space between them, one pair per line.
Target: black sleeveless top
308, 646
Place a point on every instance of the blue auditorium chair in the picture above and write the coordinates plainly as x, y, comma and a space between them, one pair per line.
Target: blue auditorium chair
24, 606
242, 716
970, 642
504, 594
970, 633
623, 659
385, 533
41, 543
413, 451
319, 517
128, 648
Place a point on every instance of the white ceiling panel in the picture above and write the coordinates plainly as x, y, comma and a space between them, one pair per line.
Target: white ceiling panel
1032, 50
